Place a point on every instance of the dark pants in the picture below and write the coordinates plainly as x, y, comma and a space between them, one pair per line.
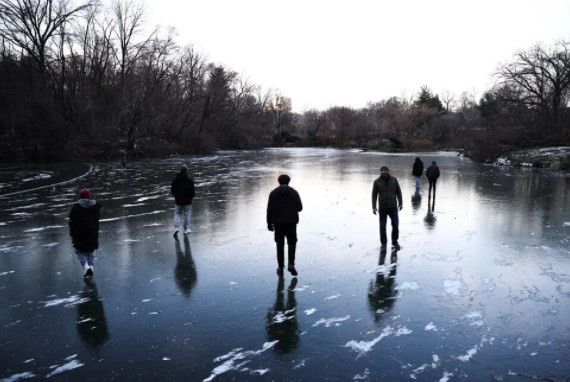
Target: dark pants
393, 213
283, 231
432, 185
431, 197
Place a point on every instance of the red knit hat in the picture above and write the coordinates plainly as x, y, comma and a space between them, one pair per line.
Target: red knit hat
85, 193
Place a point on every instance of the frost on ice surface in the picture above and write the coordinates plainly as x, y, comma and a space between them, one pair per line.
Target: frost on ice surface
7, 273
299, 365
68, 301
50, 244
475, 318
259, 371
331, 321
152, 225
446, 376
365, 346
470, 353
19, 376
74, 364
236, 355
332, 297
566, 224
403, 331
408, 286
431, 326
308, 312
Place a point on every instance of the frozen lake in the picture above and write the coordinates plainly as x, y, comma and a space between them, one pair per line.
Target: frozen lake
480, 290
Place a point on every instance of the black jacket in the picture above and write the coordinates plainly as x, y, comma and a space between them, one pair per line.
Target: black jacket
284, 206
418, 168
387, 193
183, 189
84, 226
432, 171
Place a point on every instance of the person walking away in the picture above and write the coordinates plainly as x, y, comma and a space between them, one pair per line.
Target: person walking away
283, 209
387, 193
432, 173
183, 190
84, 229
418, 170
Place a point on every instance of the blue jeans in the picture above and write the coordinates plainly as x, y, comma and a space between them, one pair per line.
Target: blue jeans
393, 213
182, 210
85, 257
417, 181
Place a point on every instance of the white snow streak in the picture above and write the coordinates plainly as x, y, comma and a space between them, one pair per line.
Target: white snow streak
66, 367
408, 286
331, 321
310, 311
469, 355
365, 346
17, 377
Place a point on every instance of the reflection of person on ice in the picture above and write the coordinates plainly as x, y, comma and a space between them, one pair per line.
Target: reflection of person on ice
432, 173
387, 193
84, 229
283, 210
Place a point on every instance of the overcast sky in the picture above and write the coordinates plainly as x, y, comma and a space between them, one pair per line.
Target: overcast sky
347, 53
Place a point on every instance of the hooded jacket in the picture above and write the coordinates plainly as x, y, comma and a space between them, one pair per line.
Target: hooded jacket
84, 225
432, 171
418, 168
387, 193
183, 189
284, 206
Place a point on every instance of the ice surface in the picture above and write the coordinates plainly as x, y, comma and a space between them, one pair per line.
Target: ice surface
66, 301
19, 376
363, 347
328, 322
470, 353
310, 311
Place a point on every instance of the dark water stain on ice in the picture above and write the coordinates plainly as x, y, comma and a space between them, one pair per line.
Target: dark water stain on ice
480, 289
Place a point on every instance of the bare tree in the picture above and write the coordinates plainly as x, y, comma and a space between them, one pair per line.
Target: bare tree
31, 24
541, 78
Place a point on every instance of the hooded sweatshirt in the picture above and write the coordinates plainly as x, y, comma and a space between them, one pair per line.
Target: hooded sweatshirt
84, 225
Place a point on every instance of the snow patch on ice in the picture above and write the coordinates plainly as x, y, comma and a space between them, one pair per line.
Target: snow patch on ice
359, 377
431, 326
283, 316
51, 244
37, 177
308, 312
470, 353
66, 301
408, 286
17, 377
145, 198
236, 355
363, 347
153, 225
331, 321
452, 287
74, 364
566, 224
446, 376
7, 273
332, 297
402, 331
39, 229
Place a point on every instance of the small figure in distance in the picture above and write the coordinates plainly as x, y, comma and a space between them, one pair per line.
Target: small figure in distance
432, 173
283, 210
183, 190
84, 229
387, 193
418, 170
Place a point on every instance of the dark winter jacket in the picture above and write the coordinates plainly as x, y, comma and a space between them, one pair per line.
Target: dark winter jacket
418, 168
386, 193
84, 225
183, 189
284, 206
432, 171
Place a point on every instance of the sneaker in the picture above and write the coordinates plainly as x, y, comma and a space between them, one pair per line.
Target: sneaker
280, 271
88, 272
292, 270
188, 230
175, 234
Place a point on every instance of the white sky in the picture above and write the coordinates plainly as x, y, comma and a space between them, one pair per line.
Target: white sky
346, 53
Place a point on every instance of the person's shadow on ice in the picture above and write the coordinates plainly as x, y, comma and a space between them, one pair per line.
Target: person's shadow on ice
185, 274
282, 322
91, 322
381, 290
430, 220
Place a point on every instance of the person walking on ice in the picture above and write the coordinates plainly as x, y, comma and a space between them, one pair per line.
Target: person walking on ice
84, 229
183, 190
418, 170
283, 210
387, 193
432, 173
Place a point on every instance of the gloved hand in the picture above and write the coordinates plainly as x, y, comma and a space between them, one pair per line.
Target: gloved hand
270, 227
